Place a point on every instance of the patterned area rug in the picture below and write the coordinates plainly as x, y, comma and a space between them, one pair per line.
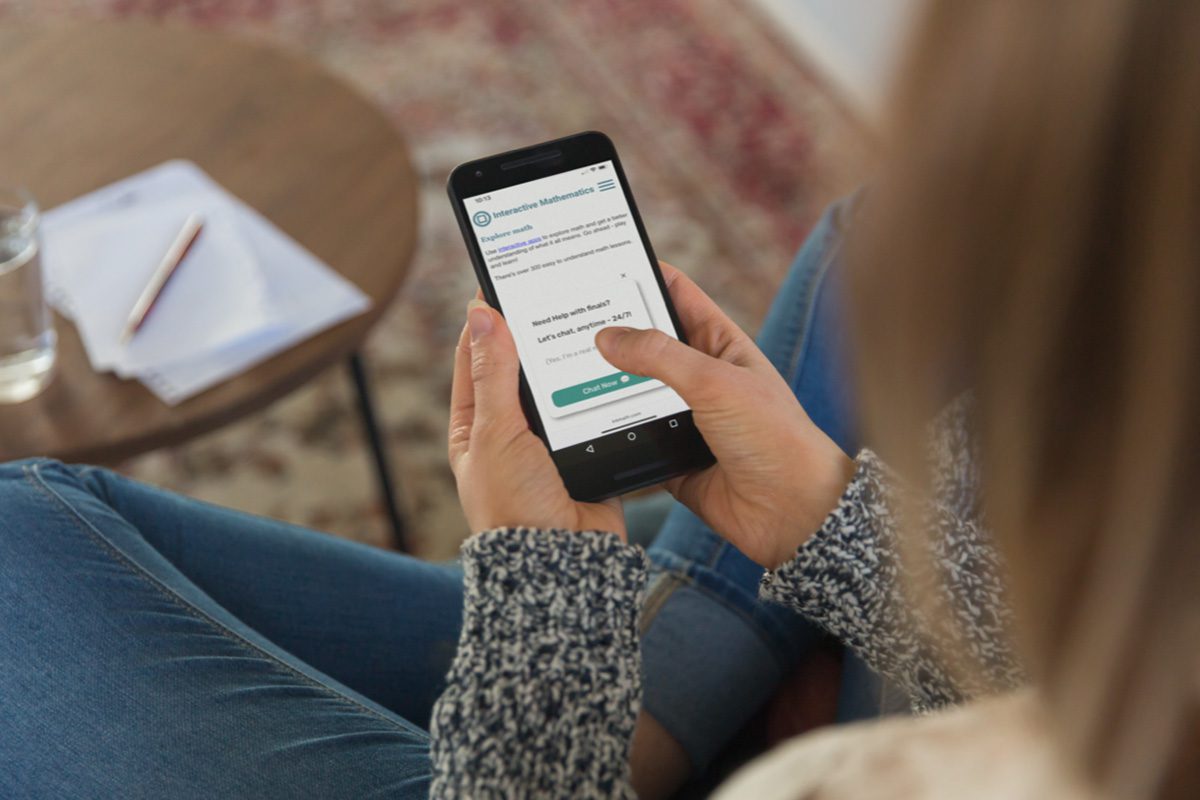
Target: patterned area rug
731, 144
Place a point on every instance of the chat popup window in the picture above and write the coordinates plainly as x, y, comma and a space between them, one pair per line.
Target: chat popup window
570, 375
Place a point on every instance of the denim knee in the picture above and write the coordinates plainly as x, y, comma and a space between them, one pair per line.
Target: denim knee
17, 484
17, 477
17, 492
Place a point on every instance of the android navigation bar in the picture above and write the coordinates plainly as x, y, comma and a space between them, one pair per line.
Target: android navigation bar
656, 431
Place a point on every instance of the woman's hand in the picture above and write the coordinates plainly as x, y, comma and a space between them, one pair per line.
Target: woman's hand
504, 473
777, 474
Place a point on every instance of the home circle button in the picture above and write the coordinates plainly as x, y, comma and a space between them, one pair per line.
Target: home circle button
631, 436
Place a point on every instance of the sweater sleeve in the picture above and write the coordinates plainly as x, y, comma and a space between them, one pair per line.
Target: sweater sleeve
544, 691
849, 578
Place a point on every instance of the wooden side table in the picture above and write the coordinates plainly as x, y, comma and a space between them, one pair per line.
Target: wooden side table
87, 104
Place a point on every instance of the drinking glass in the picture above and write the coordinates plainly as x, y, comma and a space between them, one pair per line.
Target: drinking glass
27, 336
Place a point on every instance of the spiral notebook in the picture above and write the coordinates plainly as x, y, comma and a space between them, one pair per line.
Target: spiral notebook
246, 292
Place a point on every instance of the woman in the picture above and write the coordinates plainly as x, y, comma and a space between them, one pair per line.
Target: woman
265, 660
160, 647
1035, 239
1035, 242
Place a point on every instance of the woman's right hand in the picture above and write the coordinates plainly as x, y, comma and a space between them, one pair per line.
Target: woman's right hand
777, 474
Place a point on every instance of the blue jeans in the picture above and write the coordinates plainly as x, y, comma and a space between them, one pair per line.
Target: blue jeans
155, 646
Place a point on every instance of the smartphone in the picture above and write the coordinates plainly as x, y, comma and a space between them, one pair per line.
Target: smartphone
560, 250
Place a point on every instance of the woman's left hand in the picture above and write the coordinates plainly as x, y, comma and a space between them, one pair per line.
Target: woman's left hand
504, 472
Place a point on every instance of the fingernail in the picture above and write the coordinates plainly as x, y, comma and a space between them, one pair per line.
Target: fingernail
479, 319
614, 334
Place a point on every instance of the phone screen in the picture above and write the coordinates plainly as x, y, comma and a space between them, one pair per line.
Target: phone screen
565, 258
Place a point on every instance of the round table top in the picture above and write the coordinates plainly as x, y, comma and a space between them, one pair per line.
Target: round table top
88, 104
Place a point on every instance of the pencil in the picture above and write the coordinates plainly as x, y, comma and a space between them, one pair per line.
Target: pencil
162, 275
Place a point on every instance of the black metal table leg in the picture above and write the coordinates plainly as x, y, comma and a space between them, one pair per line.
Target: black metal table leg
383, 471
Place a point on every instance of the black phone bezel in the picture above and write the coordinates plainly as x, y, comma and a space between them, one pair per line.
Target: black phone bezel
663, 448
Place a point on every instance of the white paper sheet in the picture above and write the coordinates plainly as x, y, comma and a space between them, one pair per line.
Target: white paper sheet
217, 296
246, 292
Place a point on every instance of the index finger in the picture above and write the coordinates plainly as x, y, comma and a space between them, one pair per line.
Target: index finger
462, 399
708, 328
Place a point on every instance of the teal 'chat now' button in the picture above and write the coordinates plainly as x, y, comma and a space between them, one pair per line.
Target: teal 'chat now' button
594, 388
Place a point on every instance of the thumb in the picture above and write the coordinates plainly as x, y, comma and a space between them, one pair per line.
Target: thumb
654, 354
494, 368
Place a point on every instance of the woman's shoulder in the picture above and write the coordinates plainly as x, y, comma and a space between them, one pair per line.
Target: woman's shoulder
996, 748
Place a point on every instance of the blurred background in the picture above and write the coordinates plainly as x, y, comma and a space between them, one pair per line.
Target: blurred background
737, 123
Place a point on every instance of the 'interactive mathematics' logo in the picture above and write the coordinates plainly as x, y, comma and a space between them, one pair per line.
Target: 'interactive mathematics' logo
481, 218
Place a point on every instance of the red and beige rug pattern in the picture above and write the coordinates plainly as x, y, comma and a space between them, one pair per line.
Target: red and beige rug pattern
731, 143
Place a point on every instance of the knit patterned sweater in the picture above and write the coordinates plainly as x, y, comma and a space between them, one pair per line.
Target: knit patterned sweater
545, 688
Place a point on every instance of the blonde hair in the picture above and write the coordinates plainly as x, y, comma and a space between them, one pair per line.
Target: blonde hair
1035, 236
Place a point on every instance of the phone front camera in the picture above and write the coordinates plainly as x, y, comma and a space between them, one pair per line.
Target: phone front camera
478, 173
